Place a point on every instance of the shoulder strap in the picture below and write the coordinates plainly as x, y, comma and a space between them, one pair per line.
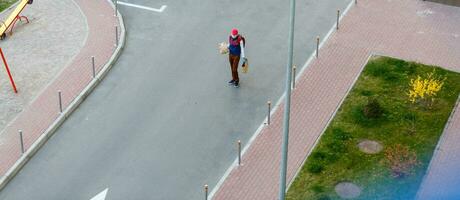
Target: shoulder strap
243, 39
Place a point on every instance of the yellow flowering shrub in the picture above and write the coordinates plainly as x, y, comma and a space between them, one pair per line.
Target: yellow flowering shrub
422, 88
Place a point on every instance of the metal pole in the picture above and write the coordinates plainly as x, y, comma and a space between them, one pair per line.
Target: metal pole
356, 1
317, 46
206, 192
94, 67
116, 35
8, 71
269, 104
338, 16
21, 140
60, 100
287, 106
116, 7
239, 152
293, 77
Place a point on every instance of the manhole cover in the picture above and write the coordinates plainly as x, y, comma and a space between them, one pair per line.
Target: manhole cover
347, 190
370, 146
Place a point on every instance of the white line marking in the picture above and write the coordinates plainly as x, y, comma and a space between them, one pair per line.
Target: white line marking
101, 196
163, 7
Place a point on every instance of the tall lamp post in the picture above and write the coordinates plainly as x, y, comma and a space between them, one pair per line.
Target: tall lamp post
287, 107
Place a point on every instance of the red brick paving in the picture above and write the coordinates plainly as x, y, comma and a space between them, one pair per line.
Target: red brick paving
42, 112
412, 30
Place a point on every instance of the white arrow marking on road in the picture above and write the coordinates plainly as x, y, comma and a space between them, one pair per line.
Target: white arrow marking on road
163, 7
101, 196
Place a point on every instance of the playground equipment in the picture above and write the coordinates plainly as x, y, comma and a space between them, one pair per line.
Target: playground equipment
13, 18
8, 71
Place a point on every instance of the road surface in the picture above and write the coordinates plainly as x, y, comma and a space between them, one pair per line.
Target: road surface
164, 122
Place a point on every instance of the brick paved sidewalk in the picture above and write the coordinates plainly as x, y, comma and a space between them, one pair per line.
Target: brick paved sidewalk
44, 110
412, 30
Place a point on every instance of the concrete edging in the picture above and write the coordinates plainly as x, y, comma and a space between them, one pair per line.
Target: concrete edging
69, 110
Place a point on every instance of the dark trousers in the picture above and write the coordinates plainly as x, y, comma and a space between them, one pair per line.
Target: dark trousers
234, 60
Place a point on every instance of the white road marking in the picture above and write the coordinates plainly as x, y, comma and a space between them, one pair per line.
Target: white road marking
163, 7
101, 196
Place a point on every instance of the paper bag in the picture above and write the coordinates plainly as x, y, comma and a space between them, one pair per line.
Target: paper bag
223, 48
245, 66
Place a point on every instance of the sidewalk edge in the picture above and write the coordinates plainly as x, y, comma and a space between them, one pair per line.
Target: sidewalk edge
69, 110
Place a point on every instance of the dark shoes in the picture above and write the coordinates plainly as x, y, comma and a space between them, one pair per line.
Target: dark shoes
234, 83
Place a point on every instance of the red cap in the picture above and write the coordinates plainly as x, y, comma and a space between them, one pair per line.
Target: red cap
234, 31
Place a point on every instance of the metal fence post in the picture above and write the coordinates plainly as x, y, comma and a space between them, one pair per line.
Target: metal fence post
206, 192
293, 76
94, 67
338, 16
269, 103
116, 35
116, 8
317, 46
239, 152
60, 100
21, 140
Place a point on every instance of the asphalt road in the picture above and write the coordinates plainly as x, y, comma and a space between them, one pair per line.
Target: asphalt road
164, 122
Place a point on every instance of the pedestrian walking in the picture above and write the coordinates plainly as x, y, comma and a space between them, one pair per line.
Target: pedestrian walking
236, 44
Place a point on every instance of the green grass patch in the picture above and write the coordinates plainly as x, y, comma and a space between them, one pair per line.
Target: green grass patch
4, 4
378, 108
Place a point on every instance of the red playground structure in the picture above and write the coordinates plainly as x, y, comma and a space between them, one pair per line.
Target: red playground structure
8, 71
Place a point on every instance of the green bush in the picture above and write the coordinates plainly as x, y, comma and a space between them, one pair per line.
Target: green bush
358, 117
315, 167
372, 109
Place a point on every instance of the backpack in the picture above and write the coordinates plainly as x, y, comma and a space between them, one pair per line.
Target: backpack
244, 40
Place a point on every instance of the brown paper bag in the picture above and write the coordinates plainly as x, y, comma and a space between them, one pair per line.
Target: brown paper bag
245, 66
223, 48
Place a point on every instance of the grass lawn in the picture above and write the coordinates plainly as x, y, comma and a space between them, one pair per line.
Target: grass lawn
415, 126
4, 4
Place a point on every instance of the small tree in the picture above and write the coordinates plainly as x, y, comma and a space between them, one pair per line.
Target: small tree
400, 160
425, 88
